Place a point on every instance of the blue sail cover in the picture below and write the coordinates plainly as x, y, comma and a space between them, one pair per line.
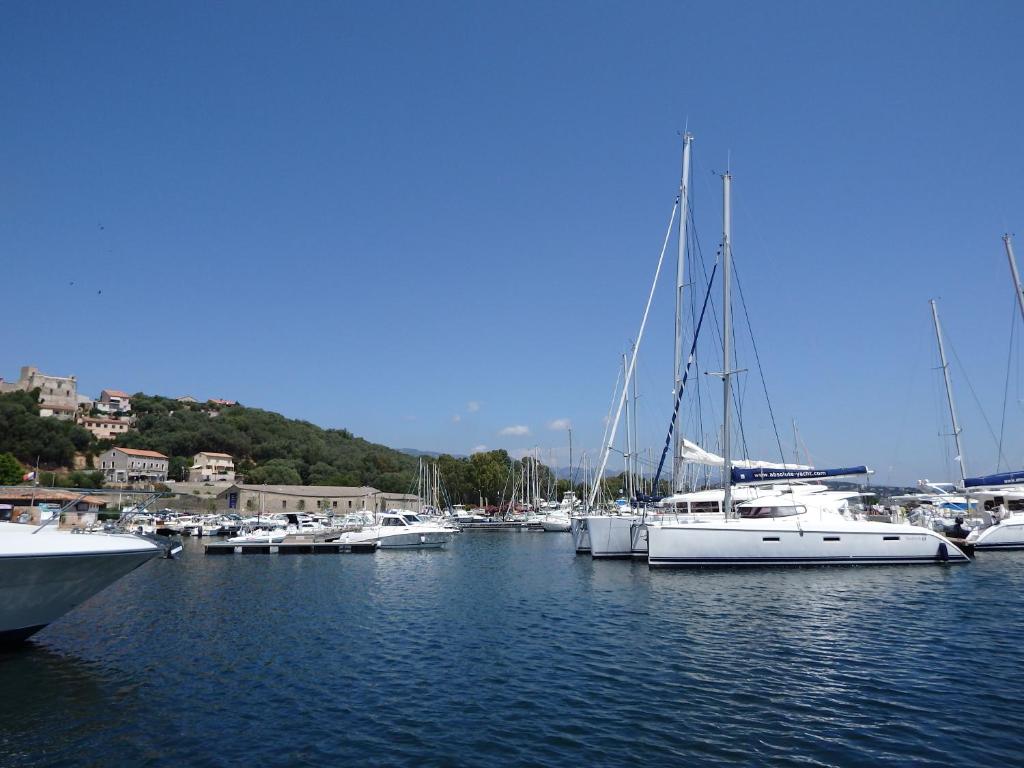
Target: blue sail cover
762, 474
1003, 478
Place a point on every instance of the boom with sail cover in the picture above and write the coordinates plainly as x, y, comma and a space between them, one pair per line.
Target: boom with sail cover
694, 454
1003, 478
764, 474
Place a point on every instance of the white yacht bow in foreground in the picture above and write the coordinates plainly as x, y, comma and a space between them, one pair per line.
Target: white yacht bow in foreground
45, 572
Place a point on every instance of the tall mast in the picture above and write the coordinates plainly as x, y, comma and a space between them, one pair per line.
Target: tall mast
1008, 244
684, 193
635, 451
949, 391
572, 474
629, 437
726, 342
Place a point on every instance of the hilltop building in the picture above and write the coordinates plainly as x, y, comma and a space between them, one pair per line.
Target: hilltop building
114, 401
210, 467
104, 429
58, 395
132, 465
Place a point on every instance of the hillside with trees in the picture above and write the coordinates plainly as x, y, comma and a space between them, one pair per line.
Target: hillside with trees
267, 448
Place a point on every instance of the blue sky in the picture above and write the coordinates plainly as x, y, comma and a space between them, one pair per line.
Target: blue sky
430, 222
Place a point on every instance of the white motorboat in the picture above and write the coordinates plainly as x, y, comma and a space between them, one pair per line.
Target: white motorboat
556, 522
260, 536
811, 529
46, 572
401, 530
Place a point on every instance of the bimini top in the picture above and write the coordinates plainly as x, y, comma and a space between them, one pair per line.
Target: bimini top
1003, 478
765, 474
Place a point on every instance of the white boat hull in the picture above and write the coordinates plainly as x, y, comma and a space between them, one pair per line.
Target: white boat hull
773, 542
611, 536
37, 589
1008, 534
556, 526
407, 539
580, 535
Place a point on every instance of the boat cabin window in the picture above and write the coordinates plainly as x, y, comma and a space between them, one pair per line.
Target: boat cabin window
697, 507
411, 518
392, 521
760, 512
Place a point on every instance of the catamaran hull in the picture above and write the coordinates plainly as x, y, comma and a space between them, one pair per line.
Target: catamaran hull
36, 590
706, 546
580, 535
1009, 534
611, 536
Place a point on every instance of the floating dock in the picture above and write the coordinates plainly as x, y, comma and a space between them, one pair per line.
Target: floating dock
290, 548
496, 526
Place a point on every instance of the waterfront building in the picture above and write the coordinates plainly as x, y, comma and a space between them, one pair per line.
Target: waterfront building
210, 467
18, 504
132, 465
114, 401
331, 499
58, 395
408, 502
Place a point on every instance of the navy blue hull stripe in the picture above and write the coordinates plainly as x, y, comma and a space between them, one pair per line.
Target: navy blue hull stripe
953, 558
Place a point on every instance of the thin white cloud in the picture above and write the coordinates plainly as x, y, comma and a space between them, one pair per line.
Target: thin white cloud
518, 430
559, 424
479, 448
456, 419
473, 406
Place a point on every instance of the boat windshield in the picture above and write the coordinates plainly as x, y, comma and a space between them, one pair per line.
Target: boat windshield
411, 518
761, 512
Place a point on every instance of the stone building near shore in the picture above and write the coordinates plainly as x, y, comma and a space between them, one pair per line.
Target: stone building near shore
331, 499
132, 465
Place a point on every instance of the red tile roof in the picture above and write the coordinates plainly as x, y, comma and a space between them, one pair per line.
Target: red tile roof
138, 452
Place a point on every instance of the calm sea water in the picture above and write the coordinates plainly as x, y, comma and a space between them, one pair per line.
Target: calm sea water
508, 649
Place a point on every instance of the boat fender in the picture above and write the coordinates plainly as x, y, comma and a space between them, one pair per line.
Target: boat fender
943, 552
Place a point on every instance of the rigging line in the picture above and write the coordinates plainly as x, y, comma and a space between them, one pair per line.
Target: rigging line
1006, 385
639, 338
977, 402
682, 384
757, 358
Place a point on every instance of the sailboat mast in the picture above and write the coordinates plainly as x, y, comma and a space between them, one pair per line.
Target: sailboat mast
949, 392
629, 437
1008, 244
635, 451
684, 193
726, 342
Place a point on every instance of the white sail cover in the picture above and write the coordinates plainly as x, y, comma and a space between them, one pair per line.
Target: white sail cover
694, 454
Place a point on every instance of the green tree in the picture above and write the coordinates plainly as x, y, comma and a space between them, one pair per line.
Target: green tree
276, 472
11, 470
